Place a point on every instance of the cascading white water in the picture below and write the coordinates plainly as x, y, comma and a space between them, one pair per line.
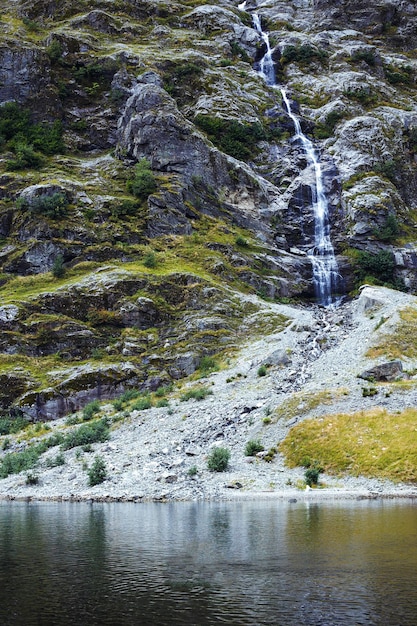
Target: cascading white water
326, 275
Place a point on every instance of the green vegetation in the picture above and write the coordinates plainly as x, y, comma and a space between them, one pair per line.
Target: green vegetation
19, 134
15, 462
58, 269
97, 472
325, 129
143, 182
233, 137
198, 393
366, 55
253, 446
193, 471
54, 206
142, 404
311, 476
218, 459
241, 242
390, 230
149, 260
91, 409
207, 365
262, 370
401, 341
363, 95
10, 425
303, 54
32, 479
399, 75
375, 268
87, 433
371, 443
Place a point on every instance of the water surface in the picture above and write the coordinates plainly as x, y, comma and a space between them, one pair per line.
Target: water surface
238, 563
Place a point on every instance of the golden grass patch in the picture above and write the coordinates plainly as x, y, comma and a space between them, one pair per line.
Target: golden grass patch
371, 443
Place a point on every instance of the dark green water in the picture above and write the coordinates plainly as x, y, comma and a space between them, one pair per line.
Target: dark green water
262, 562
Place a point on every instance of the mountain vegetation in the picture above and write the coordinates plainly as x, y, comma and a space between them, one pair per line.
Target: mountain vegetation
152, 198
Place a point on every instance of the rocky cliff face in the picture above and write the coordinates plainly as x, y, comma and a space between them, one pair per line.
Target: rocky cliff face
120, 271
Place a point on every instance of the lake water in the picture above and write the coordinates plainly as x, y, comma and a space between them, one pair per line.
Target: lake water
238, 563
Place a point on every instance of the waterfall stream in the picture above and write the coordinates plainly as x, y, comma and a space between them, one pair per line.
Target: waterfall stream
326, 275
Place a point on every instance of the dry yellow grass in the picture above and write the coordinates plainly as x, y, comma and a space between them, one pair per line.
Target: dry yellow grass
400, 342
302, 402
371, 443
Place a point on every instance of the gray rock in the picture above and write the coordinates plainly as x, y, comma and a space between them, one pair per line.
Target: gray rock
389, 371
184, 365
278, 357
9, 314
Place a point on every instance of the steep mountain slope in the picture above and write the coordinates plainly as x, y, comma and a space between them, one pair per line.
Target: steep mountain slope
148, 179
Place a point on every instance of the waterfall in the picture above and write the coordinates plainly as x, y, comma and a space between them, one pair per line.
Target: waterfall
326, 275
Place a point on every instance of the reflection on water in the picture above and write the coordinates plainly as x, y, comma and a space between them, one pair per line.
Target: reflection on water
209, 563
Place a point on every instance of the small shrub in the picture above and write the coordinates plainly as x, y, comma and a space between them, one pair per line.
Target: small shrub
163, 390
231, 136
368, 392
262, 371
91, 409
10, 425
241, 242
118, 404
97, 472
103, 317
31, 25
218, 460
303, 54
129, 394
87, 448
253, 447
193, 471
72, 420
58, 269
381, 266
54, 206
25, 157
311, 476
87, 433
54, 50
143, 182
32, 479
196, 394
149, 260
125, 208
208, 364
389, 231
161, 403
266, 420
142, 404
15, 462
